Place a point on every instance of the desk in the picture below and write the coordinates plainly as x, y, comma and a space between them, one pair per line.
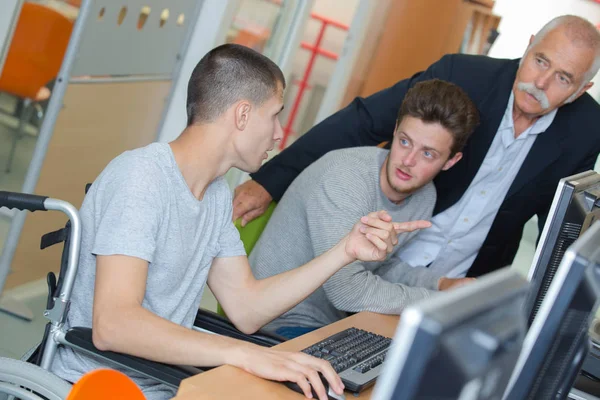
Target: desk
229, 382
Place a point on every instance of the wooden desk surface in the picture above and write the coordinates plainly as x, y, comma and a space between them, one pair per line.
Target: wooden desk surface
229, 382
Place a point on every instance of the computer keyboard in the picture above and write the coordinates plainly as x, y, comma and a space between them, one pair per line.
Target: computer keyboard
355, 354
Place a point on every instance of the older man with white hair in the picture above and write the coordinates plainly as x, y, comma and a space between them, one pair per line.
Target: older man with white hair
537, 126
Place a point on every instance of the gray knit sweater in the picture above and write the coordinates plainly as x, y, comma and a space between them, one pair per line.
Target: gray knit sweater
317, 210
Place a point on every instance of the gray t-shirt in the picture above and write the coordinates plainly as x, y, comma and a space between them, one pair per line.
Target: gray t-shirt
318, 209
141, 206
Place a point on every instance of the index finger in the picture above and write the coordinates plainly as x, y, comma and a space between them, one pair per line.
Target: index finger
410, 226
384, 215
335, 382
381, 215
239, 209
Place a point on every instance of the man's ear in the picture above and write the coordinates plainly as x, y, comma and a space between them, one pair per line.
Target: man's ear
242, 114
450, 163
531, 40
583, 90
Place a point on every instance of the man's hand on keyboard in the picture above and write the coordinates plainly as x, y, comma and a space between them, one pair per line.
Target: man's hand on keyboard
375, 236
449, 283
290, 366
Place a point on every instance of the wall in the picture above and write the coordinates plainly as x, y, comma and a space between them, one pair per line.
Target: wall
10, 10
521, 19
340, 11
208, 32
211, 30
97, 122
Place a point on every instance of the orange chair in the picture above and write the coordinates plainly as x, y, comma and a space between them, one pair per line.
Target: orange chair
102, 384
34, 58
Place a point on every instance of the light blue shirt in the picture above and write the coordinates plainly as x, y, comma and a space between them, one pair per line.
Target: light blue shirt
456, 235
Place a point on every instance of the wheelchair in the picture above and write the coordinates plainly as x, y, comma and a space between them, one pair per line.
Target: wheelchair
30, 378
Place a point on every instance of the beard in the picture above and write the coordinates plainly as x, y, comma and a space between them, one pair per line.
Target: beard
390, 173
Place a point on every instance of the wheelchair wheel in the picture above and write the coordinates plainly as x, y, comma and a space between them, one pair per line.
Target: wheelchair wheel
29, 382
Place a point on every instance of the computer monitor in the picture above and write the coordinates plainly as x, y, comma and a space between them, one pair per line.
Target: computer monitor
574, 207
557, 341
460, 344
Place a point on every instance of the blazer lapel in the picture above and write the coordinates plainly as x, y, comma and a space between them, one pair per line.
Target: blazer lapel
491, 111
545, 150
451, 184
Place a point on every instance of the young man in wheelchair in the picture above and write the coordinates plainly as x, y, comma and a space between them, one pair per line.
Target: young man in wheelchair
157, 227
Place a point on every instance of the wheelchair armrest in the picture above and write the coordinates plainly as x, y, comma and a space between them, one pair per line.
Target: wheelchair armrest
172, 375
213, 322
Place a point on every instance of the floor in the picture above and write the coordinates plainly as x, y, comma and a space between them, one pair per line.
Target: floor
13, 180
17, 335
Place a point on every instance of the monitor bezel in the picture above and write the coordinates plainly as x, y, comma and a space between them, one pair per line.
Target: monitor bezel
422, 323
557, 210
580, 255
566, 190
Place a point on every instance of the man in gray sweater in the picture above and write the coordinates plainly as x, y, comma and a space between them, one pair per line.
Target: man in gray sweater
321, 205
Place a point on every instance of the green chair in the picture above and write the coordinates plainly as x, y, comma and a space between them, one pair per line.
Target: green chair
253, 229
250, 234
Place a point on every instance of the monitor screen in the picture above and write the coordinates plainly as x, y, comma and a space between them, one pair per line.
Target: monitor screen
461, 344
574, 208
557, 341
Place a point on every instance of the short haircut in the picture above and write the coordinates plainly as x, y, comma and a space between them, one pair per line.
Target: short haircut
227, 74
581, 32
437, 101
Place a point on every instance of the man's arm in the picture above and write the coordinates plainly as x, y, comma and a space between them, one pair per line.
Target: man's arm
121, 324
118, 319
251, 303
354, 288
397, 271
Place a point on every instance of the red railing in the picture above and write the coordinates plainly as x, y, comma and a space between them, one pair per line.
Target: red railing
315, 50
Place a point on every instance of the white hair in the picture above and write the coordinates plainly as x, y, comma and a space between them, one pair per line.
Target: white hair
580, 31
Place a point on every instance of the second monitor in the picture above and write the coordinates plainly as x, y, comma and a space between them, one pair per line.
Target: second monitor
462, 344
557, 342
574, 208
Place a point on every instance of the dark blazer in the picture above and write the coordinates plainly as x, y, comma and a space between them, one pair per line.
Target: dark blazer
570, 145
